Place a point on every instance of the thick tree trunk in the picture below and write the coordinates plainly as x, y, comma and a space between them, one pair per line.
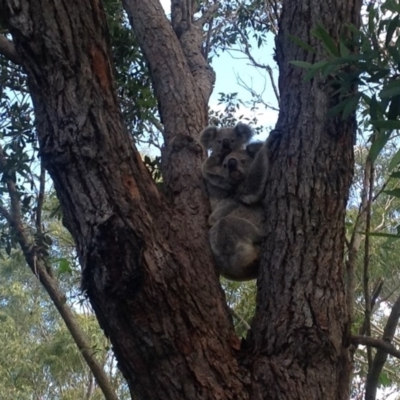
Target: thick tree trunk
147, 268
299, 341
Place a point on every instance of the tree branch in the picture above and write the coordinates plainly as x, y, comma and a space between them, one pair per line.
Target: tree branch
382, 353
207, 14
7, 49
40, 199
367, 312
377, 343
38, 265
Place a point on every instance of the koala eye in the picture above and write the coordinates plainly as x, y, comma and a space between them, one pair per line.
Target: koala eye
219, 140
232, 140
224, 165
243, 161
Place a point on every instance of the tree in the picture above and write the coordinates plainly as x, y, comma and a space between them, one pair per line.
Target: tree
146, 264
38, 354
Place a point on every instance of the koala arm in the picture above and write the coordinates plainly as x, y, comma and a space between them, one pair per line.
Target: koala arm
212, 170
223, 208
254, 185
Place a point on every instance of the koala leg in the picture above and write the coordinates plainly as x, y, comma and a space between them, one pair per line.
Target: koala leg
224, 207
235, 244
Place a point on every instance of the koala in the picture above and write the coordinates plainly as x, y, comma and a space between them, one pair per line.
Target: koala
234, 170
220, 142
236, 228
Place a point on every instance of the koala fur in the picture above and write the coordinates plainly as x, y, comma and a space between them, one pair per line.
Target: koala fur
252, 190
235, 234
220, 142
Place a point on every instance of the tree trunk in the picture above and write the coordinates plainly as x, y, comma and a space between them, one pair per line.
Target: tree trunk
300, 333
147, 267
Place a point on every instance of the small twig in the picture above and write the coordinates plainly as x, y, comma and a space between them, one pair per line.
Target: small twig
356, 240
207, 14
206, 47
367, 299
40, 199
12, 190
239, 318
246, 50
374, 297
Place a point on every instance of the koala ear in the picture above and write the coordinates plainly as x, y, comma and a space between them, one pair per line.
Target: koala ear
253, 148
243, 131
207, 136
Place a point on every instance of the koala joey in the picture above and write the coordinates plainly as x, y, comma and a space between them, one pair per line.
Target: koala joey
235, 234
220, 142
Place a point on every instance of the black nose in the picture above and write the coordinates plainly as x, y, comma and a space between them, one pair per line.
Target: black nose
225, 143
232, 164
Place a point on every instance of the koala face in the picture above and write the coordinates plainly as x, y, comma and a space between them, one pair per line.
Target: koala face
226, 141
222, 141
236, 165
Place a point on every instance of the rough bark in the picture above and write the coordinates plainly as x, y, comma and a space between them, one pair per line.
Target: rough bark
147, 268
300, 333
146, 265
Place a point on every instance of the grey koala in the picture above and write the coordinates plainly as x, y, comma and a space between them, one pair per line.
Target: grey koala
220, 142
236, 228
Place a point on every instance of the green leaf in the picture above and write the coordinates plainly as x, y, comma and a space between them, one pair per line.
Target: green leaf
321, 33
391, 89
386, 124
394, 161
394, 52
302, 44
337, 109
328, 69
394, 108
344, 51
395, 175
351, 105
393, 24
302, 64
377, 145
64, 266
385, 235
373, 108
393, 192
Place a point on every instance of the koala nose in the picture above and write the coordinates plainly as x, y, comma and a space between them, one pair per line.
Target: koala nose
232, 164
225, 143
